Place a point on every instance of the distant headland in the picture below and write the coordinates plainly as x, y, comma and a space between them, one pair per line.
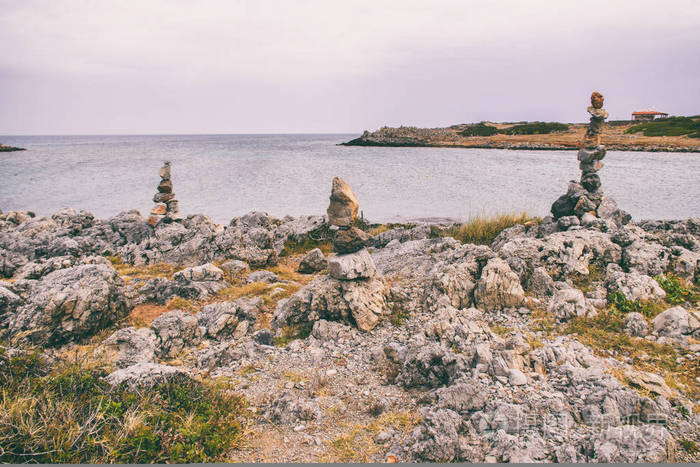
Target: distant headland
672, 134
4, 148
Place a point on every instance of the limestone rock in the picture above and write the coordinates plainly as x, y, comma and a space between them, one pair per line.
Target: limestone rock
129, 346
633, 285
72, 304
498, 287
314, 261
569, 303
631, 444
344, 205
205, 272
352, 266
143, 376
675, 322
350, 240
636, 325
176, 330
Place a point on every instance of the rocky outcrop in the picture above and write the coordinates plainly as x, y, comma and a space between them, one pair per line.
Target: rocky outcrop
144, 376
129, 346
71, 304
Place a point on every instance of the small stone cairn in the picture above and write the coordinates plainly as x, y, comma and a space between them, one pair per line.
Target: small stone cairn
352, 260
585, 199
166, 207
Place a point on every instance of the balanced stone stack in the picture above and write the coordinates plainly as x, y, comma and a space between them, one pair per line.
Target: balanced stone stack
585, 199
352, 260
166, 207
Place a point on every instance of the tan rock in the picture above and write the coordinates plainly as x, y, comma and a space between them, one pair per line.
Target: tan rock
159, 209
344, 205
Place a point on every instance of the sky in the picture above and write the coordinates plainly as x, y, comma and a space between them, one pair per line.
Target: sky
327, 66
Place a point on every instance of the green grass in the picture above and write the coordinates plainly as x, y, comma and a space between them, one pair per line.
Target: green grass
534, 128
319, 238
690, 446
677, 290
672, 126
620, 304
293, 332
482, 230
66, 413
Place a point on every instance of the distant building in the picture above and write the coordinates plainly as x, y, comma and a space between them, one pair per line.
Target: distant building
645, 115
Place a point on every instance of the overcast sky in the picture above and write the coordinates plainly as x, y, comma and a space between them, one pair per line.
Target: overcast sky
149, 66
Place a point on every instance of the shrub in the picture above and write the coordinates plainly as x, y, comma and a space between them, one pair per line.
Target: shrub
619, 304
479, 129
70, 414
534, 128
672, 126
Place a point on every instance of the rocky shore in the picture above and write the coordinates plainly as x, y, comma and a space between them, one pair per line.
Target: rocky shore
615, 139
414, 347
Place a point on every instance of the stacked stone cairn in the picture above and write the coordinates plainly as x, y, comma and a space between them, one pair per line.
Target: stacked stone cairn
584, 200
166, 208
352, 260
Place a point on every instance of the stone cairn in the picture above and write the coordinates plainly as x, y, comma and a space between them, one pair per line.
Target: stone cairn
353, 267
166, 207
585, 199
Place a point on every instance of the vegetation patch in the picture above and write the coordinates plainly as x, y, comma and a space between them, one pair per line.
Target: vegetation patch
293, 332
67, 413
605, 334
481, 229
678, 291
534, 128
672, 126
150, 271
586, 282
479, 129
319, 238
620, 305
357, 444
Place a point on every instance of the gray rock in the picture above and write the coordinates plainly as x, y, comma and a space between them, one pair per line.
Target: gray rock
629, 443
608, 209
569, 303
314, 261
289, 409
331, 331
498, 287
431, 366
351, 266
221, 320
646, 258
463, 396
516, 377
567, 221
143, 376
401, 235
636, 325
71, 304
264, 276
361, 302
540, 283
129, 346
511, 418
675, 322
205, 272
176, 330
437, 439
633, 285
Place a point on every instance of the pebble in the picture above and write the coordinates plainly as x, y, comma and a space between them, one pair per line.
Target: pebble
331, 372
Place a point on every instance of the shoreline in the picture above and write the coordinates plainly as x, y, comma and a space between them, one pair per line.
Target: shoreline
502, 136
10, 148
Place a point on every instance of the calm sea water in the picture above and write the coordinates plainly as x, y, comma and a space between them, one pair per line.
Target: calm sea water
228, 175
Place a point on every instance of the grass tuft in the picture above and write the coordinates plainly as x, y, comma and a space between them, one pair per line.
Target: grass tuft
678, 291
482, 230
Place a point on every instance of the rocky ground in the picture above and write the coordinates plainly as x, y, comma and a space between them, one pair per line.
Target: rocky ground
615, 139
557, 342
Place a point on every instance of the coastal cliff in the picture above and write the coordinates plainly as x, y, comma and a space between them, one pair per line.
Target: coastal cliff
546, 136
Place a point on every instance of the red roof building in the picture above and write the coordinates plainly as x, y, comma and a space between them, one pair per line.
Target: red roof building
645, 115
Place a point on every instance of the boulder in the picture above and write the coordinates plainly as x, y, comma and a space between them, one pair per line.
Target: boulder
235, 267
636, 325
352, 266
569, 303
222, 320
633, 285
314, 261
144, 376
431, 366
344, 205
350, 240
675, 322
267, 277
72, 304
498, 287
174, 331
644, 257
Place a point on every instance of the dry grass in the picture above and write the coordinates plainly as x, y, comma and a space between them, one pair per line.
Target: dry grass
482, 229
129, 272
143, 315
357, 444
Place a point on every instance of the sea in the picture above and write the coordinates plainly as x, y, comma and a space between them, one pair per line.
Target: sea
226, 176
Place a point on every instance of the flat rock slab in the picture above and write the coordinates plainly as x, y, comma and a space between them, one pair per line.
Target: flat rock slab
359, 265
